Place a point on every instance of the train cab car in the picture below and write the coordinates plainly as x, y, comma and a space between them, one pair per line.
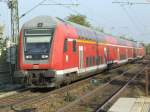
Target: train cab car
43, 57
53, 51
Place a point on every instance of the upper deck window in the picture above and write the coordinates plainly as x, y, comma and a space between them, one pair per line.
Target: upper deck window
74, 45
65, 45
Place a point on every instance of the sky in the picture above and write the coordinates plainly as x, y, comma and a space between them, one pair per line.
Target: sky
132, 21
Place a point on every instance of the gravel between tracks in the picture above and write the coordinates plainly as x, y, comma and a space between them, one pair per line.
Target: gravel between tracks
53, 100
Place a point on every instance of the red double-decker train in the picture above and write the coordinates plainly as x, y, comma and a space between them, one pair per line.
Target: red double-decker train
53, 51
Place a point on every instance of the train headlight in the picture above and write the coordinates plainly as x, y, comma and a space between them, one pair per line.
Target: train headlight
29, 57
44, 56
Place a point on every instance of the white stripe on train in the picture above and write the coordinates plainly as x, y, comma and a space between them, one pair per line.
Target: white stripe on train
88, 69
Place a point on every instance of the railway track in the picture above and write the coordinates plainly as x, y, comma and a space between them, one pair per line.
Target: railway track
100, 95
58, 98
115, 95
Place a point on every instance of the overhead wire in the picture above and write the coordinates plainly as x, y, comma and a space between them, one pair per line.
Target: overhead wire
75, 11
133, 3
102, 17
140, 23
108, 21
39, 4
30, 10
56, 3
3, 1
131, 19
137, 18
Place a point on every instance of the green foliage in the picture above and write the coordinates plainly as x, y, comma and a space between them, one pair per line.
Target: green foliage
2, 45
88, 109
127, 38
1, 29
82, 20
1, 38
99, 29
79, 19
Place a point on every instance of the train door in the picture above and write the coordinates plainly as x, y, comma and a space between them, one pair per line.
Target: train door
134, 53
118, 53
81, 59
105, 55
127, 53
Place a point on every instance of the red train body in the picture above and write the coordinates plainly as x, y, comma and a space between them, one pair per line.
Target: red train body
53, 51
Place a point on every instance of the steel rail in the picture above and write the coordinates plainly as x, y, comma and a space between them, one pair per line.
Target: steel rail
89, 94
45, 96
12, 101
118, 92
62, 89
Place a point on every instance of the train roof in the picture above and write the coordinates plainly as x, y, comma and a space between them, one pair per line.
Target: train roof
103, 37
47, 22
51, 22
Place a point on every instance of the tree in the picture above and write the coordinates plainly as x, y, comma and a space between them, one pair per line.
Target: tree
1, 34
127, 38
79, 19
100, 29
1, 29
3, 51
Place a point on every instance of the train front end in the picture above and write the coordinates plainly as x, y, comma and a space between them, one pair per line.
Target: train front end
35, 47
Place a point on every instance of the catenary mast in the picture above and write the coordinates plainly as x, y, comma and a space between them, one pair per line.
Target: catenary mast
13, 6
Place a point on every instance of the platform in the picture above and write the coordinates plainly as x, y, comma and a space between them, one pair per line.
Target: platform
131, 105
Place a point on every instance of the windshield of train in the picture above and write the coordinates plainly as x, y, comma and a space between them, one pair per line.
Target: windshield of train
37, 45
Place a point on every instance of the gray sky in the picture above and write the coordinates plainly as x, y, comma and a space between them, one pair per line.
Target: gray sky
130, 20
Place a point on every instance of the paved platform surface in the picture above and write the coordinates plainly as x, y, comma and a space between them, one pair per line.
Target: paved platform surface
131, 105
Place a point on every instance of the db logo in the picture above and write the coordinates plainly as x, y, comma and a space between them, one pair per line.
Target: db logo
35, 66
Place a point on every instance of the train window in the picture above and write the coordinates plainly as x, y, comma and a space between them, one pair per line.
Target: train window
90, 61
93, 60
87, 61
97, 60
74, 45
65, 45
122, 57
101, 60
